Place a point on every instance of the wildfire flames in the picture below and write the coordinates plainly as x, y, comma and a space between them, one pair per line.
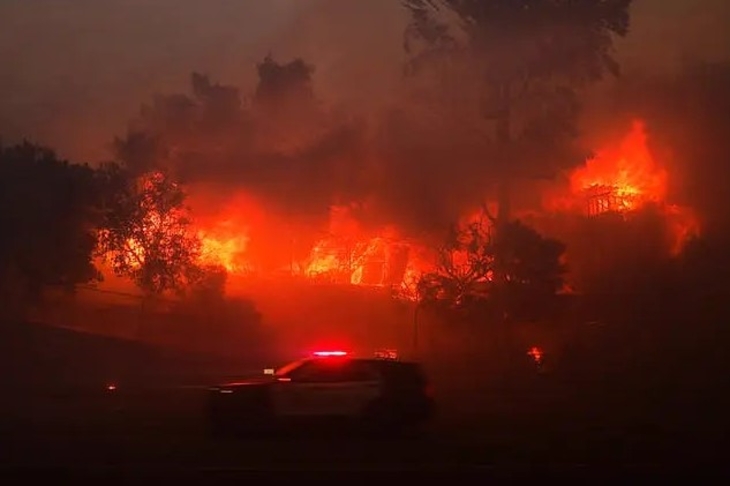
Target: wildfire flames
620, 178
225, 245
624, 178
347, 254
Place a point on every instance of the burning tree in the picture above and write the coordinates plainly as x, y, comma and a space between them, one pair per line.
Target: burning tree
146, 232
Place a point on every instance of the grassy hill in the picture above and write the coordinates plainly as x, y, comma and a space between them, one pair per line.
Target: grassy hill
42, 358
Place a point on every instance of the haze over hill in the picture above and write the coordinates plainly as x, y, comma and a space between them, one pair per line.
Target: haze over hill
79, 69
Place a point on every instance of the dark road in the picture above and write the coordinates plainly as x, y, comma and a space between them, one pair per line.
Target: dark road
166, 431
595, 419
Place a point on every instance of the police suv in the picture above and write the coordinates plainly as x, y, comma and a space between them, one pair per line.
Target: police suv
381, 393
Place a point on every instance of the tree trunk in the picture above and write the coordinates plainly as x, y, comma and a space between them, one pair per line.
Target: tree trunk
505, 332
504, 179
147, 304
503, 140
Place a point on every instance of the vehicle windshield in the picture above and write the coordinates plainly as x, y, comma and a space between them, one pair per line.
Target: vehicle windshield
288, 368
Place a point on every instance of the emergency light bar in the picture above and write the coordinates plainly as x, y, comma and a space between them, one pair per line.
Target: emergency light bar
329, 354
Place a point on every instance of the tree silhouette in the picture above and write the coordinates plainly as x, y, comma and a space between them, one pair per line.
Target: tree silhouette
528, 58
140, 150
172, 131
467, 265
287, 115
48, 217
532, 262
146, 231
220, 106
282, 84
464, 266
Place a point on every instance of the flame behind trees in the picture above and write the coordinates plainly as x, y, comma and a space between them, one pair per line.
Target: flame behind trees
146, 231
464, 265
467, 270
57, 215
520, 64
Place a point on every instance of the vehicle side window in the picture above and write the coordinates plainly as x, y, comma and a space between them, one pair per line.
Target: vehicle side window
332, 372
360, 371
290, 368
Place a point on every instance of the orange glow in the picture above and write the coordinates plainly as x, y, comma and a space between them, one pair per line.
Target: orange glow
325, 259
134, 256
621, 178
224, 245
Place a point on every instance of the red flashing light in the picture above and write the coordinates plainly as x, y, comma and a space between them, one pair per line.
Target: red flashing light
386, 354
329, 354
111, 387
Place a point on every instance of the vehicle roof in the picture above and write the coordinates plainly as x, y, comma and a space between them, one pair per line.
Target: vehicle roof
379, 362
368, 360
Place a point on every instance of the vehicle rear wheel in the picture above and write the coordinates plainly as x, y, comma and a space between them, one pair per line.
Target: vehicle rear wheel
382, 422
378, 421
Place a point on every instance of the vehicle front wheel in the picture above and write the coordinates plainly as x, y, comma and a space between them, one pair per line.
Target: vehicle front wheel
220, 428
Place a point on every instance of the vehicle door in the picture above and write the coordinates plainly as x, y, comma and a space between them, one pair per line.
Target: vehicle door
360, 385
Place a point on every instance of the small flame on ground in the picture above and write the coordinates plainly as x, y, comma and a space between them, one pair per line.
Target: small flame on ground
536, 354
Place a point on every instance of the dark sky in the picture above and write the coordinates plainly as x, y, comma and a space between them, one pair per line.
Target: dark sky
74, 71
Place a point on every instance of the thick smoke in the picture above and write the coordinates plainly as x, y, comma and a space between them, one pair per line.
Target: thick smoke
298, 156
355, 134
